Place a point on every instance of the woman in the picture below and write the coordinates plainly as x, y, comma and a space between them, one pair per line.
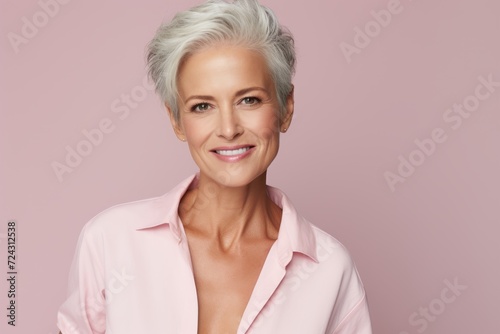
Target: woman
222, 252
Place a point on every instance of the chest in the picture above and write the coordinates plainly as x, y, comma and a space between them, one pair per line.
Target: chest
224, 284
151, 284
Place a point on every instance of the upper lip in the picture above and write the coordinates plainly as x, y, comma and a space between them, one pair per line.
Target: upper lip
229, 148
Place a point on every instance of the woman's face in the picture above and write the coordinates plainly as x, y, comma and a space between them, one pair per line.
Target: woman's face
228, 113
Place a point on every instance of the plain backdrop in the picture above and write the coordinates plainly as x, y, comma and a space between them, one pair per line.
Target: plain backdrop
366, 93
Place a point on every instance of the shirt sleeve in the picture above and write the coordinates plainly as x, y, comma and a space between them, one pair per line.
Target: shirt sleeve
83, 311
357, 321
350, 314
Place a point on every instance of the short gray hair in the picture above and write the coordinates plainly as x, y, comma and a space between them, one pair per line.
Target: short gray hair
242, 22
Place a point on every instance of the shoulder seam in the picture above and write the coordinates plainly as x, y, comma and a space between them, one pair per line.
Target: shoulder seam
349, 315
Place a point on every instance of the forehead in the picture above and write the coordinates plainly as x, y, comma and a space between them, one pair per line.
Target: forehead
223, 68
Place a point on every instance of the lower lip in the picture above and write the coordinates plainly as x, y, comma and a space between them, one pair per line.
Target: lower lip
233, 158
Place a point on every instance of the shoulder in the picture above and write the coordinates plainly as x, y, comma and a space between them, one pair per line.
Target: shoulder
332, 251
350, 311
140, 214
129, 215
338, 265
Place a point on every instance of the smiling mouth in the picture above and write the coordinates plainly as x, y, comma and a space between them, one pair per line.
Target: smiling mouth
238, 151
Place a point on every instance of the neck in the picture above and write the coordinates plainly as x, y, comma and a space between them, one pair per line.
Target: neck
229, 215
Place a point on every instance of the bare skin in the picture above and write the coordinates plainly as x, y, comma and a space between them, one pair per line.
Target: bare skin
229, 241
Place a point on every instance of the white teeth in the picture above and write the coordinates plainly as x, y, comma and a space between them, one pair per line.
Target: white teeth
233, 152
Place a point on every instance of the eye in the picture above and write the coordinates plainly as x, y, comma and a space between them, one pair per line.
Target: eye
250, 100
200, 107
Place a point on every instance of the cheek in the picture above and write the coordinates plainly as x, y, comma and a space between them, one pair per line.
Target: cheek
267, 126
196, 130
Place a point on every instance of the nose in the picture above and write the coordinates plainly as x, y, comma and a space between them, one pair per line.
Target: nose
229, 124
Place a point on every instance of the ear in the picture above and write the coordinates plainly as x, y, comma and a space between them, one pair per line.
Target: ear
287, 118
179, 132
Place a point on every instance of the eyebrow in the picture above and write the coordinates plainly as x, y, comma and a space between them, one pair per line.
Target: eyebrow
238, 93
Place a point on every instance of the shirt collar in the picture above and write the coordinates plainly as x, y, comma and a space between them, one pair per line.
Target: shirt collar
295, 234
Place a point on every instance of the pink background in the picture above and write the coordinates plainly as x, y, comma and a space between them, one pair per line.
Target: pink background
352, 122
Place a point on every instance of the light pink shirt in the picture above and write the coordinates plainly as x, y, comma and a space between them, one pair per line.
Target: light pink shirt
132, 274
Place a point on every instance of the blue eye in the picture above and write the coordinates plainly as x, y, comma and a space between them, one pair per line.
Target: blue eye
200, 107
